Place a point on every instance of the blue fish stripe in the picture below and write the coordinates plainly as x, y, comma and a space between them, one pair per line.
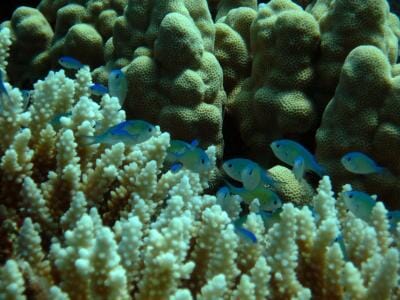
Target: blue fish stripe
246, 234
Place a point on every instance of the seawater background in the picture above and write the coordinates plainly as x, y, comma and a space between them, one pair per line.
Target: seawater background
8, 6
395, 6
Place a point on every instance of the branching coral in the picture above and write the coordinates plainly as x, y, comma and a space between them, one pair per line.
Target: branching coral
98, 222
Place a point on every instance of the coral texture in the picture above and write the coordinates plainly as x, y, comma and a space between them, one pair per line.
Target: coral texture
363, 116
40, 36
117, 221
284, 40
109, 222
174, 78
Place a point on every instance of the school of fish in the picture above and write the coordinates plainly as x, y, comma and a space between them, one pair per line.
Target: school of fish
255, 182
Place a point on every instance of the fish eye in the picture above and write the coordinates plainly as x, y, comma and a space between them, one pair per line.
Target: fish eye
202, 161
278, 145
150, 129
275, 202
390, 217
350, 195
230, 166
349, 159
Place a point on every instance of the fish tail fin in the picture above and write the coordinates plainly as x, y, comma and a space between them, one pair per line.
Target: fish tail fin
88, 139
246, 234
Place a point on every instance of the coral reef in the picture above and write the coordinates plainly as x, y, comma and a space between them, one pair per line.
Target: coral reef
175, 84
296, 57
174, 78
363, 115
116, 221
40, 36
345, 25
284, 40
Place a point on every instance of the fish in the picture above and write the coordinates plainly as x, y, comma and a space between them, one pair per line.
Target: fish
98, 89
222, 194
245, 234
56, 121
269, 200
254, 175
234, 167
298, 168
130, 132
248, 172
314, 213
195, 159
288, 150
26, 98
178, 147
270, 218
118, 85
69, 62
360, 163
359, 203
3, 92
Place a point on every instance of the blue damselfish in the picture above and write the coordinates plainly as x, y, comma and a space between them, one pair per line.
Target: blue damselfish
130, 132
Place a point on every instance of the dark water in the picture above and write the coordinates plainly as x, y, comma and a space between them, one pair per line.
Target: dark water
8, 6
395, 6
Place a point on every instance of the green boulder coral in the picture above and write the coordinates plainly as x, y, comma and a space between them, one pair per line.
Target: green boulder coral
364, 116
